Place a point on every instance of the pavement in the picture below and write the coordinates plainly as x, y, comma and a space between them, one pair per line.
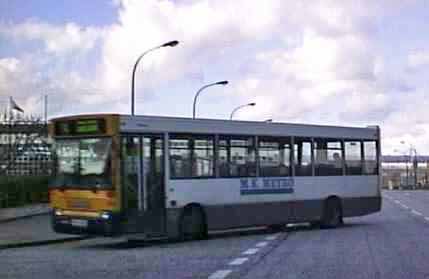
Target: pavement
29, 226
391, 244
10, 214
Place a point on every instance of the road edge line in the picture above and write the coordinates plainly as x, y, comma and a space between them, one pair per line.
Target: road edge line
41, 242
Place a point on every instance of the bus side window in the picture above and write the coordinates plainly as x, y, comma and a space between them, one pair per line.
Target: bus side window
203, 156
353, 157
303, 157
180, 157
274, 156
370, 158
237, 156
191, 156
328, 159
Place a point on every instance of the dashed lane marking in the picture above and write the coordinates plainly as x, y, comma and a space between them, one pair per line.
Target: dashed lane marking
427, 218
220, 274
404, 206
238, 261
251, 251
262, 244
416, 212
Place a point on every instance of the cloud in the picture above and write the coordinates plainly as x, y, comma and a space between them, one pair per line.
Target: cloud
417, 59
314, 63
56, 39
55, 60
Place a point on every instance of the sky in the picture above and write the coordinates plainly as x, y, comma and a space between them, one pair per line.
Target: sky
348, 63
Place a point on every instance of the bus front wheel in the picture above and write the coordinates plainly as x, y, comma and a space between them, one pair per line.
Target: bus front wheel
332, 214
193, 225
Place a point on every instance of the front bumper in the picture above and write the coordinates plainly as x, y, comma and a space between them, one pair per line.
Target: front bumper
86, 225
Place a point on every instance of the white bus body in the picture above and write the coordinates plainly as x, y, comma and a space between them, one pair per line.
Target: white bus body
230, 202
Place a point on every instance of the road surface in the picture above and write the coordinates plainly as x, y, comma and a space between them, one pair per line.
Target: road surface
391, 244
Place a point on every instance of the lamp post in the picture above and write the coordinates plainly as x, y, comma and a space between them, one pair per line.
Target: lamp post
406, 166
415, 164
168, 44
224, 82
239, 107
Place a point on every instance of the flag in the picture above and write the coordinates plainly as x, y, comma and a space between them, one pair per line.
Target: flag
14, 106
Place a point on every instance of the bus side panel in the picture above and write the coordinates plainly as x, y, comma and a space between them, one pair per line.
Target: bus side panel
248, 214
353, 207
359, 194
227, 207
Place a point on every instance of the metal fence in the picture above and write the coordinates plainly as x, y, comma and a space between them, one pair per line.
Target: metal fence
25, 148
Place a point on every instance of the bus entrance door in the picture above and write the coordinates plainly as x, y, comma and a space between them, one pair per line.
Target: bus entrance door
143, 196
153, 185
131, 178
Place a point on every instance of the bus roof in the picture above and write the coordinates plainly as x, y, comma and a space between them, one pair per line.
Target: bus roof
142, 123
147, 123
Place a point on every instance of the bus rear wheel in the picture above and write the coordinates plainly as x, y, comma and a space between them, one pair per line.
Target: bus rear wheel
193, 225
332, 214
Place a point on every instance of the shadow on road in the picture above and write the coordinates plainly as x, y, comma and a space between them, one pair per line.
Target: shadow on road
345, 226
121, 244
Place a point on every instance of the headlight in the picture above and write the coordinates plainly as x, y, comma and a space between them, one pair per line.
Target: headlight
105, 215
58, 212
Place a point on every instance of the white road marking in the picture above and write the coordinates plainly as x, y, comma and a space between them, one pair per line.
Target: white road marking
272, 237
262, 244
251, 251
416, 212
220, 274
397, 201
238, 261
427, 218
404, 206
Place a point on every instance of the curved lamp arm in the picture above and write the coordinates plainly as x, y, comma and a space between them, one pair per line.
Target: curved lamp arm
239, 107
224, 82
170, 44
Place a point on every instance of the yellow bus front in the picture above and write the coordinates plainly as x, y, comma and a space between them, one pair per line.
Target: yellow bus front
84, 193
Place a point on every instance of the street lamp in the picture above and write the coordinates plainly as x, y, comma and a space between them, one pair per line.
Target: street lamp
168, 44
239, 107
224, 82
406, 166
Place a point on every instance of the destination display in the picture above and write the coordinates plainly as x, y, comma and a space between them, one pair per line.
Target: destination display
80, 127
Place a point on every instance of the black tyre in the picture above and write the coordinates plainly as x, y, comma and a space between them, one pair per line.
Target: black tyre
276, 227
332, 214
315, 224
193, 225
